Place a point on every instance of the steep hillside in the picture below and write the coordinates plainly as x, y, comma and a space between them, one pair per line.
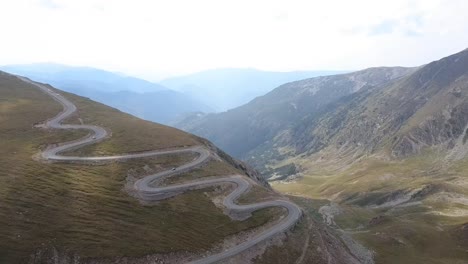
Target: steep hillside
425, 109
254, 126
225, 89
393, 162
82, 212
79, 209
138, 97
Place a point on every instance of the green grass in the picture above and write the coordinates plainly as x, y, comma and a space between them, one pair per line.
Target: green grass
210, 169
414, 240
216, 167
257, 193
83, 209
414, 234
367, 176
129, 133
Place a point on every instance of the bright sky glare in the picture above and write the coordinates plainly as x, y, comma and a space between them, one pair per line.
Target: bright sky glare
156, 39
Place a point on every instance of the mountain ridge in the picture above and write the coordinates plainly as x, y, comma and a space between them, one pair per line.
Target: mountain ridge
394, 109
136, 96
231, 87
266, 116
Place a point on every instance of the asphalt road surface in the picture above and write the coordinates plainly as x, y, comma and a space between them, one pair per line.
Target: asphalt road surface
146, 189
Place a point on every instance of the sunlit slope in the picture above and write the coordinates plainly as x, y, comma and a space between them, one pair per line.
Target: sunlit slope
84, 210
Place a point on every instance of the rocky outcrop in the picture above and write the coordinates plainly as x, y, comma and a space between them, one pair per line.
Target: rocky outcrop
443, 129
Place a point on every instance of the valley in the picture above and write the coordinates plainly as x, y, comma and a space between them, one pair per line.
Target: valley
383, 150
407, 212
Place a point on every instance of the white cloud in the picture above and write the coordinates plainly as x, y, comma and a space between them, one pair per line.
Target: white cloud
157, 38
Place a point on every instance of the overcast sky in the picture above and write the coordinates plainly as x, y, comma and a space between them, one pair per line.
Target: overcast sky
155, 39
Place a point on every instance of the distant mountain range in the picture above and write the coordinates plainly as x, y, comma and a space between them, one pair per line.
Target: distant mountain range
171, 100
263, 124
139, 97
223, 89
83, 78
400, 111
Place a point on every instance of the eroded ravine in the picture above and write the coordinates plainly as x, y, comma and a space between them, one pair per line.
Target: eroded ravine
145, 187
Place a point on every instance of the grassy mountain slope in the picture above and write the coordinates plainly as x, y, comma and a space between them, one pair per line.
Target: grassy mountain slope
84, 210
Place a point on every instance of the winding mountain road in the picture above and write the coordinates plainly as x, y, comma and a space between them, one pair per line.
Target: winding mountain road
148, 192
